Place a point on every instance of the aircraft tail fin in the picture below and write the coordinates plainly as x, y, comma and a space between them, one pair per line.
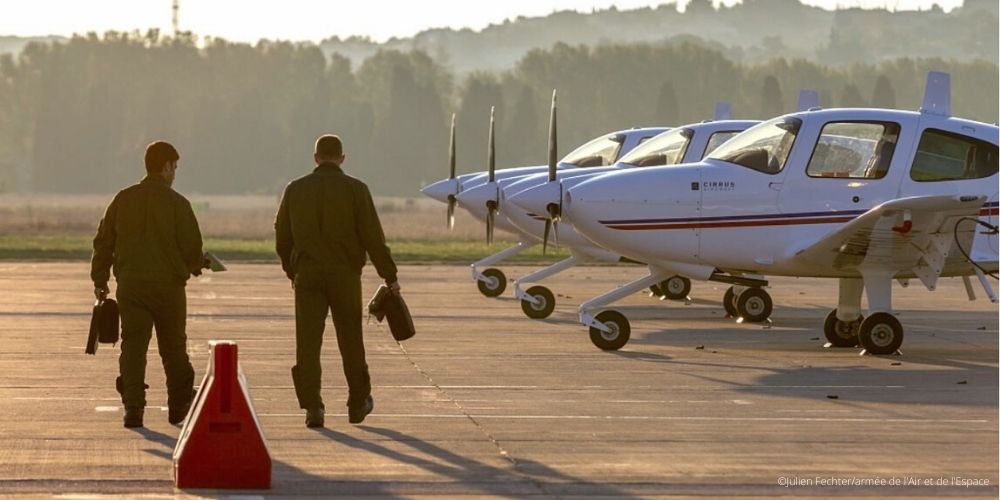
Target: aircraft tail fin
808, 99
937, 94
723, 111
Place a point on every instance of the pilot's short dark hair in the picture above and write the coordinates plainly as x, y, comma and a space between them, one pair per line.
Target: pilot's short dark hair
158, 153
329, 147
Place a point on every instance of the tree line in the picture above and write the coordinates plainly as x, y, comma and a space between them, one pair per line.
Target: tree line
75, 116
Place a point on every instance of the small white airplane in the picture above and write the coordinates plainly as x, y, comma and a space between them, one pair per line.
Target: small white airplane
479, 193
680, 145
866, 196
685, 144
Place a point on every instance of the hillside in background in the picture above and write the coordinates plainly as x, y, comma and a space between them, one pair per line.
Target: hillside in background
751, 32
15, 44
75, 114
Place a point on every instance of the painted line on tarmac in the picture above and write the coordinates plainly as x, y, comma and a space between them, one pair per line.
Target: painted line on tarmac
489, 387
655, 417
119, 408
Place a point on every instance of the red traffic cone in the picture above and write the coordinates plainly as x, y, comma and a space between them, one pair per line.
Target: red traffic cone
222, 444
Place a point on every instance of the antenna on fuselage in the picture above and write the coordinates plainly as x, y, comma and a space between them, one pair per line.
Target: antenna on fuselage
937, 94
808, 99
723, 111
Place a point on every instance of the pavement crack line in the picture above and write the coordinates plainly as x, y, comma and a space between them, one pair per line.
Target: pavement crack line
492, 439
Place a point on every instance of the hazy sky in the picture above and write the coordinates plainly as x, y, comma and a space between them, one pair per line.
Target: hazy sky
250, 20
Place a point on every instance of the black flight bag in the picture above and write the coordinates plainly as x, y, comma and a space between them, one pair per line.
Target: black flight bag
104, 325
391, 307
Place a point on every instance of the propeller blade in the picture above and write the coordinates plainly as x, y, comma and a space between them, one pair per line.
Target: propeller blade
490, 214
451, 149
555, 231
451, 212
553, 145
491, 149
545, 235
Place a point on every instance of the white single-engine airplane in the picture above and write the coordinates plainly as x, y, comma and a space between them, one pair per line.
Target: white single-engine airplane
686, 144
862, 195
479, 193
680, 145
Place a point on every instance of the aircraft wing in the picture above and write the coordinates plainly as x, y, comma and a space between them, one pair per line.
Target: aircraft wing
905, 236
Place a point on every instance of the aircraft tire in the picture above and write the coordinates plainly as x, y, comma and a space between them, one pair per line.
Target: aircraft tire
619, 335
881, 333
754, 305
729, 303
496, 284
841, 333
676, 287
547, 303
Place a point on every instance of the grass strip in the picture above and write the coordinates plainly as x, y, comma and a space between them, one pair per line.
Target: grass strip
79, 247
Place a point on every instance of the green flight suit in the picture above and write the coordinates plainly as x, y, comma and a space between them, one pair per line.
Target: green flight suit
325, 226
149, 235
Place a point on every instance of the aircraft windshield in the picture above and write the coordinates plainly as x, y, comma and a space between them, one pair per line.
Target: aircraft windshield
764, 147
597, 153
665, 149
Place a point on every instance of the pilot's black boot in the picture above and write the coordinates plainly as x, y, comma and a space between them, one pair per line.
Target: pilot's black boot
176, 415
315, 417
133, 416
357, 414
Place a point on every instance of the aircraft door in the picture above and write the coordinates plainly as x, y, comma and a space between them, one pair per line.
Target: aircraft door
852, 167
956, 162
733, 202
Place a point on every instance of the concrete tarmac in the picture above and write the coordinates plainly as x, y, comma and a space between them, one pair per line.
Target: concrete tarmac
486, 402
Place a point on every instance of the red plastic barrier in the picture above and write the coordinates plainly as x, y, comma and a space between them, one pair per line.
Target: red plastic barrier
222, 444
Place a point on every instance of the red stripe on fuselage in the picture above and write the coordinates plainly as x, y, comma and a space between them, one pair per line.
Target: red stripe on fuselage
755, 223
749, 223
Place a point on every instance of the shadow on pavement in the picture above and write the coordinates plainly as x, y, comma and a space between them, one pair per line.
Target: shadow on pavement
523, 477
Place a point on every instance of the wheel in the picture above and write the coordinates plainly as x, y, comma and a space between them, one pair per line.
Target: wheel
754, 305
495, 283
880, 333
841, 333
655, 290
729, 303
546, 303
617, 337
676, 287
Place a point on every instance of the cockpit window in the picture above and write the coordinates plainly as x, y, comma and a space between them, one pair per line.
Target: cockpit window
597, 153
764, 147
944, 156
717, 139
854, 150
667, 148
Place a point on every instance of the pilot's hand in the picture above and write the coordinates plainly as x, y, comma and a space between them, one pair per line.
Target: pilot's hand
394, 287
101, 291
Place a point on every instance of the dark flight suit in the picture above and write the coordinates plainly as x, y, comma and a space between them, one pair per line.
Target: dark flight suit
151, 237
325, 225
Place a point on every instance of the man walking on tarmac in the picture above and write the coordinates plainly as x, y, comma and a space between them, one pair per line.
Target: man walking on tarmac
326, 223
150, 236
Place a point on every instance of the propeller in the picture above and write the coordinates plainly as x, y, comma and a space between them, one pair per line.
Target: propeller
491, 205
554, 209
451, 174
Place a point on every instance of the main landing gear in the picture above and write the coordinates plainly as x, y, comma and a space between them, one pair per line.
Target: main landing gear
673, 288
880, 333
841, 333
747, 304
